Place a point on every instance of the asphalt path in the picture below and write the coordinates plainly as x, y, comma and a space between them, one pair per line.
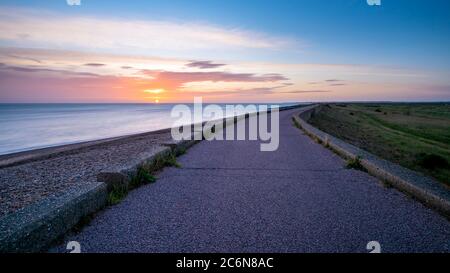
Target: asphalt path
228, 196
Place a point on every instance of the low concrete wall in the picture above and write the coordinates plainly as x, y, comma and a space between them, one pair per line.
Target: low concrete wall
31, 229
424, 189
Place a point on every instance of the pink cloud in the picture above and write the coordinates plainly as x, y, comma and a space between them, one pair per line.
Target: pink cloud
175, 80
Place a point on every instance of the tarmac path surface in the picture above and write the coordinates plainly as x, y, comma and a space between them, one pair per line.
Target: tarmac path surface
228, 196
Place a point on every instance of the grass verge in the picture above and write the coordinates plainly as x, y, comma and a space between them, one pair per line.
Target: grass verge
414, 135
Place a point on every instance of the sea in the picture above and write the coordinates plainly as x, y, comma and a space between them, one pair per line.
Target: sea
36, 125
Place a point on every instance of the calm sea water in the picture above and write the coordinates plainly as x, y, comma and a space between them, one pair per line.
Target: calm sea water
31, 126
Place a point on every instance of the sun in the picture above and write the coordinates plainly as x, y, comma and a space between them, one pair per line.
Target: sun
156, 100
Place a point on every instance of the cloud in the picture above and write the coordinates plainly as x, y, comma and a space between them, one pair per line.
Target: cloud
94, 64
61, 74
26, 69
203, 64
18, 84
22, 87
326, 81
70, 59
330, 82
46, 29
23, 78
259, 91
25, 58
175, 80
333, 80
306, 91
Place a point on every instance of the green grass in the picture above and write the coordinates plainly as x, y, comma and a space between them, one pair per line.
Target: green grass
171, 161
355, 163
145, 175
161, 162
117, 194
416, 136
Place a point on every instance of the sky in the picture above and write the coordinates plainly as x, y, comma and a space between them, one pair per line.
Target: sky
224, 51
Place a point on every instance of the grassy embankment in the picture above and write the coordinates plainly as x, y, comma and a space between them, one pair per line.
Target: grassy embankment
416, 136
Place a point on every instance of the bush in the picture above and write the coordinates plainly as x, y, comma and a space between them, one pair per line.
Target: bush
355, 163
431, 161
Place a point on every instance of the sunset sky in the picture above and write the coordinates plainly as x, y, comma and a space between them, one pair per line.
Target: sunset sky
225, 51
